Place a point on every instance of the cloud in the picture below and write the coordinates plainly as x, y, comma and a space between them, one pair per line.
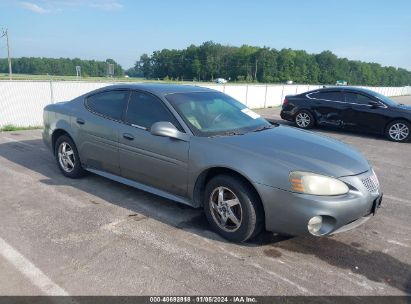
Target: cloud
48, 6
34, 7
107, 6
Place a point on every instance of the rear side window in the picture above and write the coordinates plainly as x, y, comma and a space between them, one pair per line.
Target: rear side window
331, 95
357, 98
145, 109
109, 104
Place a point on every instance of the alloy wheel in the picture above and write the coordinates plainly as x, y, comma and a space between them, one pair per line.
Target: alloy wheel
302, 120
226, 209
66, 157
399, 131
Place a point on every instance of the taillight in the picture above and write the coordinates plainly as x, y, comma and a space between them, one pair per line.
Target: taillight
285, 102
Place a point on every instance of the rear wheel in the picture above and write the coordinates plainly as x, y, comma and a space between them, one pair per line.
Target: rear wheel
304, 119
67, 157
233, 209
398, 130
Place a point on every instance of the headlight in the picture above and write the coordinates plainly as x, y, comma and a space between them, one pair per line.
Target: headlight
311, 183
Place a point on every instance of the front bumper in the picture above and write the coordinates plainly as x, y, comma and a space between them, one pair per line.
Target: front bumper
288, 212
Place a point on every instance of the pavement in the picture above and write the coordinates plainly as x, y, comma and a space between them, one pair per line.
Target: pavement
93, 236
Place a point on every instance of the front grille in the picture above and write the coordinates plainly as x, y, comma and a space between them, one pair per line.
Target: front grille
371, 183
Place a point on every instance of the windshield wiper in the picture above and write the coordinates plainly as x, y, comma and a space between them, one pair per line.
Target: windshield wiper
228, 133
231, 133
262, 128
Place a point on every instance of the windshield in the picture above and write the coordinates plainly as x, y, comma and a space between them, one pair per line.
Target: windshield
214, 113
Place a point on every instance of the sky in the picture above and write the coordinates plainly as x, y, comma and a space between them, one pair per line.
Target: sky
368, 30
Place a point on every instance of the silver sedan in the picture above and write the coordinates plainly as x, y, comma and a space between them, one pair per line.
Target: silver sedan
202, 148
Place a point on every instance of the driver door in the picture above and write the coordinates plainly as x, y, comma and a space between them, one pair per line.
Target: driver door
155, 161
362, 115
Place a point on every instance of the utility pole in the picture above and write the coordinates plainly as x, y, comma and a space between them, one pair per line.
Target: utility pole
5, 33
255, 73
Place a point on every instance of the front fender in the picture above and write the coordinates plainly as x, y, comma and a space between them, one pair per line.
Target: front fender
207, 154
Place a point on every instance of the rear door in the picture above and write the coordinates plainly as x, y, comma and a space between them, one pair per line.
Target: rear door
156, 161
98, 130
328, 107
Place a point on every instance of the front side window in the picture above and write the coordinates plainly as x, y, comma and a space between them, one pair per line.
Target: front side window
383, 98
214, 113
110, 104
357, 98
329, 95
145, 109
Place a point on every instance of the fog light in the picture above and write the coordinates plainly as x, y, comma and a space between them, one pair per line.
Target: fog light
314, 224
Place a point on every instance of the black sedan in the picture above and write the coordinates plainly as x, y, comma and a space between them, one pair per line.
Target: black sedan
349, 108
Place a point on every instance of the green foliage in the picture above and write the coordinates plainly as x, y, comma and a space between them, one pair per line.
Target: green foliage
212, 60
255, 64
59, 66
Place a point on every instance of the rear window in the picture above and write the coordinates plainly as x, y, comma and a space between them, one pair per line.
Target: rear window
109, 104
331, 95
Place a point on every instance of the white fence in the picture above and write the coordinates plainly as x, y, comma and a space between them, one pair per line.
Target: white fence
22, 102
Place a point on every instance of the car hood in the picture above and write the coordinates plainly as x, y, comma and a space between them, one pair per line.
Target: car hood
404, 108
301, 150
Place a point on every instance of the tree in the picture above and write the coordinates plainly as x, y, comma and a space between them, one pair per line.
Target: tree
60, 66
250, 63
196, 68
327, 62
286, 67
246, 63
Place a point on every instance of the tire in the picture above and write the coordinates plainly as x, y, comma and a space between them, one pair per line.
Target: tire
304, 119
398, 131
245, 206
67, 157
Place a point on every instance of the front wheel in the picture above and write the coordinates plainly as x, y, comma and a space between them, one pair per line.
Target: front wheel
398, 130
233, 209
304, 119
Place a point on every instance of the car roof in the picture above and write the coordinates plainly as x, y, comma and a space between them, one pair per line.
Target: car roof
342, 88
159, 88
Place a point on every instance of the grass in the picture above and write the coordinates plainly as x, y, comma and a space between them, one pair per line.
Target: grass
66, 78
10, 127
4, 76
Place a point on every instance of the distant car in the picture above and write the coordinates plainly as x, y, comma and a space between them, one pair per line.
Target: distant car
349, 108
203, 148
341, 83
220, 80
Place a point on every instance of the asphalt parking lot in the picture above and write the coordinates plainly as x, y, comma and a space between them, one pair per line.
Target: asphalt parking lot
93, 236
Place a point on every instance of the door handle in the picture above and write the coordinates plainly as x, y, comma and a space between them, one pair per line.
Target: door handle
128, 136
80, 121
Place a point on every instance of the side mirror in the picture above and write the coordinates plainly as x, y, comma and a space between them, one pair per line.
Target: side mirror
167, 129
374, 104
